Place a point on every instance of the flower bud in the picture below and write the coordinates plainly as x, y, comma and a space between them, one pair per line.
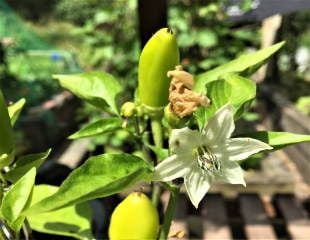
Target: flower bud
128, 109
159, 55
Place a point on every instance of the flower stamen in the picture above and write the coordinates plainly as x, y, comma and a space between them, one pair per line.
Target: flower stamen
207, 160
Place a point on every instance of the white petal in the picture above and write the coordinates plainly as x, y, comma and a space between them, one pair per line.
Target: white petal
197, 185
242, 148
232, 173
171, 168
221, 125
184, 141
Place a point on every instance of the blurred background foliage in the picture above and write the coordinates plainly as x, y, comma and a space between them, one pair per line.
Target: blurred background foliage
83, 35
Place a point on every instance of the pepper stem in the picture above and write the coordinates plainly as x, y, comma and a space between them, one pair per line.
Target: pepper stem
174, 194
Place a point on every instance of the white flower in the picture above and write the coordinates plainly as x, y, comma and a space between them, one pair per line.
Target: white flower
200, 158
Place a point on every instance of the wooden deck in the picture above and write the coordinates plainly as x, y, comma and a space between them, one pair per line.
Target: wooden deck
248, 216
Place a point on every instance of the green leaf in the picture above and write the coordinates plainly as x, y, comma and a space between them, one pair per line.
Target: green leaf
15, 109
99, 127
24, 164
98, 88
239, 65
6, 133
73, 221
278, 140
99, 176
16, 200
225, 91
243, 92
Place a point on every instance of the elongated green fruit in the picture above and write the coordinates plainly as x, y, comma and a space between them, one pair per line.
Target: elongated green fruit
134, 218
6, 134
159, 55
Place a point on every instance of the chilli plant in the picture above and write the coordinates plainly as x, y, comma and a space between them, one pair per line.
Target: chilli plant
183, 127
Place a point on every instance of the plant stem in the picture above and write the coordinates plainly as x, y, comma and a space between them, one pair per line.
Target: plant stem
174, 194
157, 132
156, 194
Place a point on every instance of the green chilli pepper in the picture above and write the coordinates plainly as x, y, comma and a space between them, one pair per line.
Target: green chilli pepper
159, 55
134, 218
6, 134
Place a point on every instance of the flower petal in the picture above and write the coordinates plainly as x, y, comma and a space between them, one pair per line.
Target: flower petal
242, 148
232, 173
220, 126
171, 168
184, 141
197, 185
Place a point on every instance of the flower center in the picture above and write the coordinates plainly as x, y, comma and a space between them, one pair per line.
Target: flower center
207, 160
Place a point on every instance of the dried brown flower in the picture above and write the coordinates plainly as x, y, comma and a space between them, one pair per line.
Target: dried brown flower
184, 101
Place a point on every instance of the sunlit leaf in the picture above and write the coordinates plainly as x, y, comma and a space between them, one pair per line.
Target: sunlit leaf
15, 109
233, 89
278, 140
16, 200
99, 176
99, 127
239, 65
24, 164
98, 88
73, 221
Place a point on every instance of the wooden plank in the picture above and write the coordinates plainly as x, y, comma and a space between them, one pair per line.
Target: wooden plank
74, 153
257, 225
179, 226
298, 225
215, 221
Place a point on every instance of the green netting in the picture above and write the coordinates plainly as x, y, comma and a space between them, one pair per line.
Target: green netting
11, 25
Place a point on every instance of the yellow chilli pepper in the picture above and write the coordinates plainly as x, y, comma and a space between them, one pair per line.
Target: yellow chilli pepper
134, 218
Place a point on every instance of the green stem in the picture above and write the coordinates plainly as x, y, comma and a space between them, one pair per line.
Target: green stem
156, 194
174, 194
157, 132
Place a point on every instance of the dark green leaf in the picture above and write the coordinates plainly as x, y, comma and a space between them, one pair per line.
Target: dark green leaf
6, 135
15, 200
73, 221
99, 176
24, 164
99, 127
238, 65
97, 88
15, 109
278, 139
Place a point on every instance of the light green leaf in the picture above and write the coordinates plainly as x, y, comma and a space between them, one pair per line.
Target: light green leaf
239, 65
227, 90
15, 109
278, 140
16, 200
161, 153
99, 176
243, 92
24, 164
98, 88
73, 221
99, 127
6, 133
